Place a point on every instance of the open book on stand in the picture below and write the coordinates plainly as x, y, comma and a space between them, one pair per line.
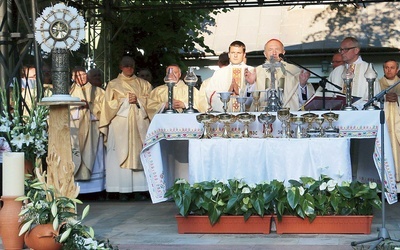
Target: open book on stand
333, 101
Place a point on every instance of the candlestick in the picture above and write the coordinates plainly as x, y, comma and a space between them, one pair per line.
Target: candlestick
13, 173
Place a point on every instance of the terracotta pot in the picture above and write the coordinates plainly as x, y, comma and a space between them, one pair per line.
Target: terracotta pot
9, 224
42, 237
227, 224
346, 224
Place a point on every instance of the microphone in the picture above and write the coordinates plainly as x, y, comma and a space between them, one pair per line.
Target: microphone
282, 56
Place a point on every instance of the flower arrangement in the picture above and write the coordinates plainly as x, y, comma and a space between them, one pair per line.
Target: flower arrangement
24, 133
43, 205
306, 198
216, 198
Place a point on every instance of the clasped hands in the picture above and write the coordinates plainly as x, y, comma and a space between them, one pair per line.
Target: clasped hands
176, 104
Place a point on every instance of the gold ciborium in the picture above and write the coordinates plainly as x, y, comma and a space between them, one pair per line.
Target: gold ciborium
298, 121
284, 117
206, 119
227, 120
309, 118
246, 119
331, 117
267, 120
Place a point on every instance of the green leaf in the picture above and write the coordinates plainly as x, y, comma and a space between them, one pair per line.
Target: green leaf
85, 211
293, 197
25, 227
65, 235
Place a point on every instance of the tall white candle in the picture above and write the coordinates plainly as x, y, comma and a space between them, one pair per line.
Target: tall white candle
13, 173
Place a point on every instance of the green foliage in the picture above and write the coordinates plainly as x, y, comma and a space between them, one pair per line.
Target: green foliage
214, 198
309, 198
306, 198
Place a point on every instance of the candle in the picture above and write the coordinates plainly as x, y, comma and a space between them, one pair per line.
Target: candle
13, 173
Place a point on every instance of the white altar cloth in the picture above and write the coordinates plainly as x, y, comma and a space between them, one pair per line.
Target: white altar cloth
171, 127
269, 159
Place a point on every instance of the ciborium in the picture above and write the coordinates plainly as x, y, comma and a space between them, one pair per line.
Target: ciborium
206, 120
227, 120
267, 120
284, 117
225, 97
331, 117
298, 121
246, 119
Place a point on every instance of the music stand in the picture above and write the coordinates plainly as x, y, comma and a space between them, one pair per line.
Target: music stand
383, 232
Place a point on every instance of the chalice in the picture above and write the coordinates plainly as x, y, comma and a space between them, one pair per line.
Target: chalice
242, 101
319, 121
298, 120
256, 99
284, 117
225, 97
267, 120
246, 119
227, 120
206, 119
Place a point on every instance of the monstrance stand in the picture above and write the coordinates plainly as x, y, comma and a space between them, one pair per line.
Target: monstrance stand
59, 30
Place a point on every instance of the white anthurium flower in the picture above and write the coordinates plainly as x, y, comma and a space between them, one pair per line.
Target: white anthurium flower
301, 190
331, 185
323, 186
252, 186
216, 190
181, 181
246, 190
345, 184
372, 185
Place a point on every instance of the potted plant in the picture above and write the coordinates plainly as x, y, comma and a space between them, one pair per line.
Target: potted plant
214, 202
52, 219
309, 201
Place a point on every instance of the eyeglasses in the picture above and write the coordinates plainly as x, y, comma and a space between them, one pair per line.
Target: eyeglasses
345, 49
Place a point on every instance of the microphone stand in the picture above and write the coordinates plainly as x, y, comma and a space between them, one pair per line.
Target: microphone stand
383, 232
322, 81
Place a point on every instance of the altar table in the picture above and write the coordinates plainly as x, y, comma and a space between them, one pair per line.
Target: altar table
255, 161
165, 152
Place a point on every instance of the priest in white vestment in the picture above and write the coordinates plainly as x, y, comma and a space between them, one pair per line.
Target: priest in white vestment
87, 144
230, 79
289, 79
392, 109
350, 50
124, 123
158, 100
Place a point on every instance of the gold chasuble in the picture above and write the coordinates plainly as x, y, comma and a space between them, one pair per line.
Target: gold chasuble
124, 125
392, 113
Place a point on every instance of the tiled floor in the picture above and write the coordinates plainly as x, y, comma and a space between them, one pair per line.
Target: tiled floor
143, 225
